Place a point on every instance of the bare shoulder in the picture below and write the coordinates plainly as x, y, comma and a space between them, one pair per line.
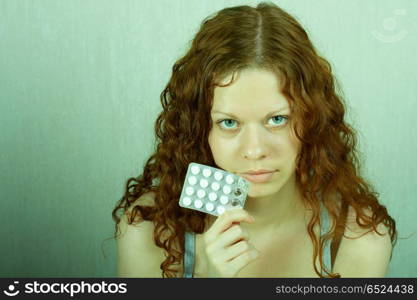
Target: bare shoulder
362, 253
354, 228
137, 254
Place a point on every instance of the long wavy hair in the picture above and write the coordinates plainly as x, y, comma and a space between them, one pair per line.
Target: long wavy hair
328, 167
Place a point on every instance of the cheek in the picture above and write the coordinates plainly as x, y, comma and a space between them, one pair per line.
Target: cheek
295, 146
213, 143
220, 149
292, 143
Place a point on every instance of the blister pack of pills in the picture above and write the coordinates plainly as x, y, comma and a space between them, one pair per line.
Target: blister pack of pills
212, 190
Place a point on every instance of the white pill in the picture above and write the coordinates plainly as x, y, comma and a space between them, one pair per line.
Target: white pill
224, 199
192, 180
218, 175
206, 172
189, 191
227, 189
209, 206
201, 193
220, 210
186, 201
229, 179
198, 203
215, 186
195, 170
204, 183
212, 196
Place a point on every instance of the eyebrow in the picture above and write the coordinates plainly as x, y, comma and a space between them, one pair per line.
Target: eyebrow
272, 113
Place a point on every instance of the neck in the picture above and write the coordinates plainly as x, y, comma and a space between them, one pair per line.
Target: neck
275, 211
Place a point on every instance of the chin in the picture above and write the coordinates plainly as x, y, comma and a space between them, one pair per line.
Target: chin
261, 190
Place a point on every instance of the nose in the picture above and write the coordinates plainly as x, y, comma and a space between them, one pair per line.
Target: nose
254, 144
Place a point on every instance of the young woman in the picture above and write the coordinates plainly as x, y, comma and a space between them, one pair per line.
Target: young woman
253, 97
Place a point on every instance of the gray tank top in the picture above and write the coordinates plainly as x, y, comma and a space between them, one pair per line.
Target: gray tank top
189, 243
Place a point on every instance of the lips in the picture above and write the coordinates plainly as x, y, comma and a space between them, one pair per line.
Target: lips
258, 176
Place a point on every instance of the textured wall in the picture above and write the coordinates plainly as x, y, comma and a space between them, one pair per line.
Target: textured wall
79, 92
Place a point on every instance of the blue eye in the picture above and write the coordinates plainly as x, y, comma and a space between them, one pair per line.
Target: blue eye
278, 120
228, 123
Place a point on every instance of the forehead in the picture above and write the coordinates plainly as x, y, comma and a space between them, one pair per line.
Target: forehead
252, 90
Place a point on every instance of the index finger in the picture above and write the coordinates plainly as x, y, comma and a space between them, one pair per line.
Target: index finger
226, 220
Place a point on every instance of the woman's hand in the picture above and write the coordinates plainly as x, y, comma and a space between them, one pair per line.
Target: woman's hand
226, 244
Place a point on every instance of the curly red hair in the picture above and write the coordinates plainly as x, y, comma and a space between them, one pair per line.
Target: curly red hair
233, 39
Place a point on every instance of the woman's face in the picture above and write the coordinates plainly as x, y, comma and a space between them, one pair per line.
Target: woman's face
251, 131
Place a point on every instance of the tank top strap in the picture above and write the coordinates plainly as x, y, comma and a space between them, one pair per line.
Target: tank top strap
324, 228
189, 254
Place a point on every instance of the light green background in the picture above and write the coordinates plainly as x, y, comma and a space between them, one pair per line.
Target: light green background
79, 93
